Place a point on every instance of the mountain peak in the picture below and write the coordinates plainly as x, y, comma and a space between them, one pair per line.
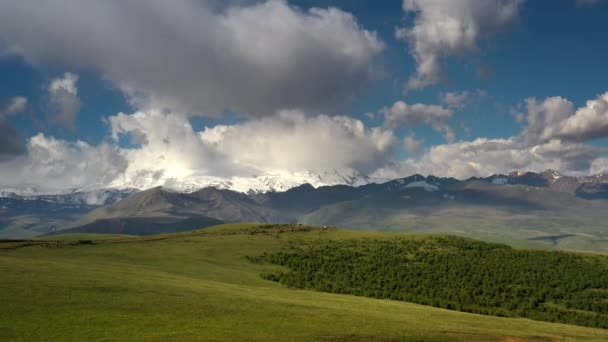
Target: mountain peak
550, 173
304, 180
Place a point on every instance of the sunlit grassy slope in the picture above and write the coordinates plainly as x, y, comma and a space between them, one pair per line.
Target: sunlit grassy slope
199, 286
83, 236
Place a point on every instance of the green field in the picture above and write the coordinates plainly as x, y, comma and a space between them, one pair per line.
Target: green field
200, 286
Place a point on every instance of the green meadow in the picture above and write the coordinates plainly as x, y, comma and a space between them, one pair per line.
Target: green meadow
200, 286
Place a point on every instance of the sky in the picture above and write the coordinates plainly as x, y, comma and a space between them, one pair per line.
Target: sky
142, 93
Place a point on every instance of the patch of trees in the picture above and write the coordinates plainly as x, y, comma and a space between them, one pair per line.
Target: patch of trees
454, 273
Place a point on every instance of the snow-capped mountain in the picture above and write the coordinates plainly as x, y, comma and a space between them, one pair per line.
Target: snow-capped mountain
290, 198
76, 197
253, 184
272, 182
280, 182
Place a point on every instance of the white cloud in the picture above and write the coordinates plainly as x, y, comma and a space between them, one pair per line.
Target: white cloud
557, 118
553, 138
599, 165
192, 55
450, 28
412, 145
293, 142
170, 149
543, 117
17, 104
64, 99
288, 143
456, 100
414, 115
170, 152
588, 122
484, 157
56, 165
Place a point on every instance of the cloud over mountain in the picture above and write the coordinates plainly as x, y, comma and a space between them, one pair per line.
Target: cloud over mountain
160, 148
484, 157
287, 143
294, 142
56, 165
274, 75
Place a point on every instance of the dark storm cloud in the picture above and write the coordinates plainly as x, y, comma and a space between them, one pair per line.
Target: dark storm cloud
11, 143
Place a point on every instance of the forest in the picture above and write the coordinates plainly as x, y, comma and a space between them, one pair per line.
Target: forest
453, 273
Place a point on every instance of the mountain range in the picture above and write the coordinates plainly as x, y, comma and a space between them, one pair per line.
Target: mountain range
533, 209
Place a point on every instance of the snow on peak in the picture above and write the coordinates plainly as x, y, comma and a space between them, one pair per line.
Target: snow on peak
96, 197
553, 174
269, 182
500, 181
423, 184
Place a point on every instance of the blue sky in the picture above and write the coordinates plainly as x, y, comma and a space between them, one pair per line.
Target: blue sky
539, 50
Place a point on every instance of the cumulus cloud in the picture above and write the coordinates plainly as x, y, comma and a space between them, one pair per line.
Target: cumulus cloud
294, 142
170, 152
450, 28
557, 118
166, 150
414, 115
55, 165
64, 101
553, 137
543, 117
588, 122
598, 166
16, 105
288, 143
573, 157
458, 100
198, 56
483, 157
412, 145
169, 149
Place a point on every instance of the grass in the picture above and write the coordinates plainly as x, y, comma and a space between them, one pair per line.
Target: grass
521, 229
84, 236
199, 286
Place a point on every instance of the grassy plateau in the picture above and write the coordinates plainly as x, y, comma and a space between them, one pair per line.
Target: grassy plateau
200, 285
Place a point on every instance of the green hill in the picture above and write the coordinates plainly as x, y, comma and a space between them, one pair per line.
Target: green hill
200, 286
83, 236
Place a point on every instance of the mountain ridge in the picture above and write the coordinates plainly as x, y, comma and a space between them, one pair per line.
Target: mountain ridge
522, 206
278, 183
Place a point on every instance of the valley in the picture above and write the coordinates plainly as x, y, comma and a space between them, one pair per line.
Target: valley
200, 285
